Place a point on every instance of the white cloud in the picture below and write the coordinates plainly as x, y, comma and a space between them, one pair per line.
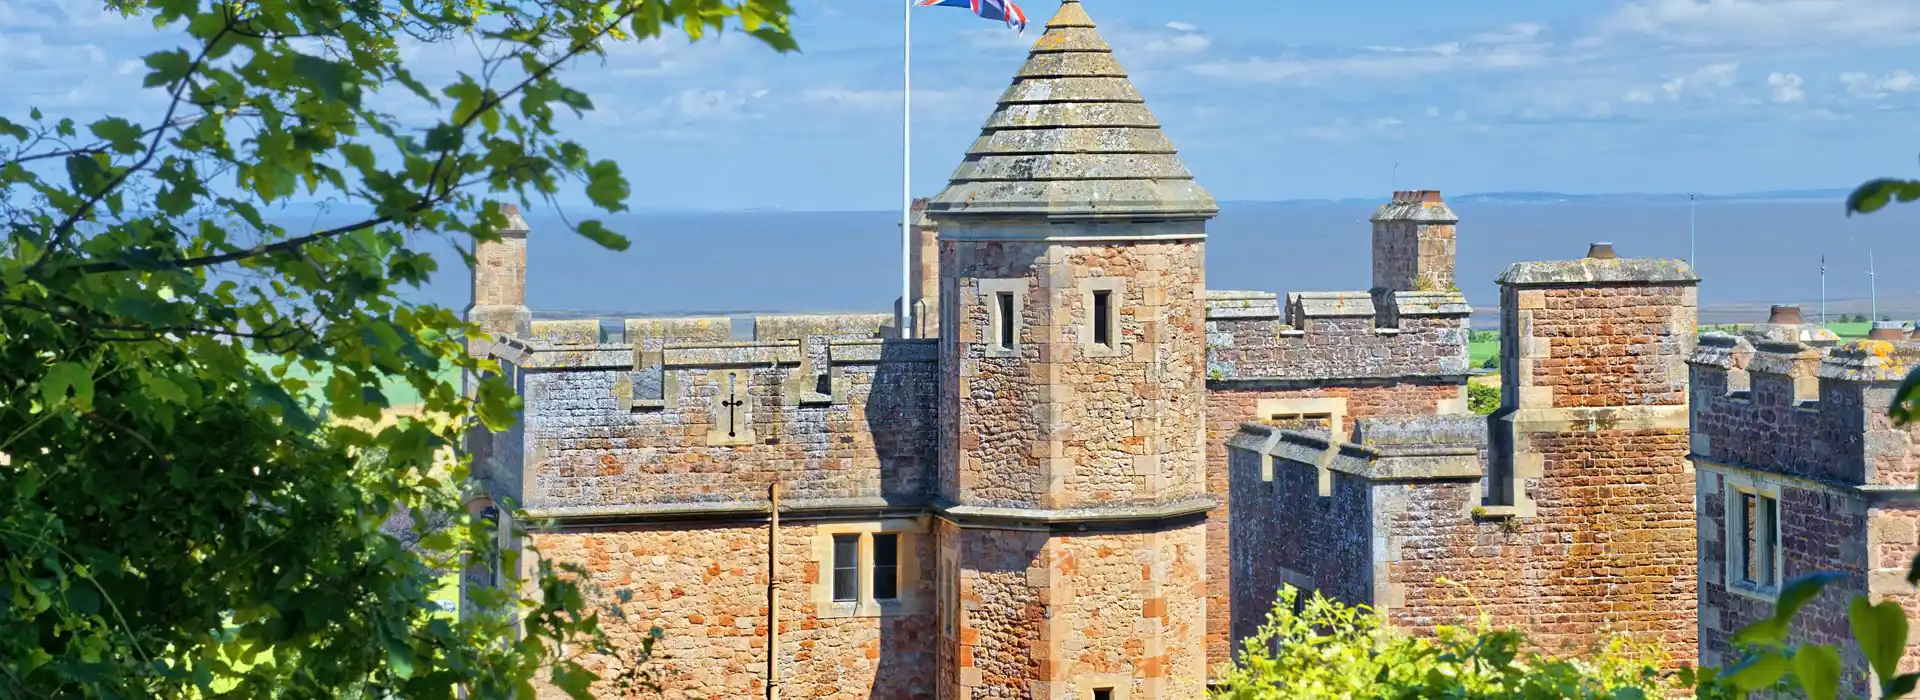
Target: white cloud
712, 105
1179, 26
1524, 32
1785, 87
1382, 62
1433, 111
1180, 43
1875, 87
1707, 81
1766, 22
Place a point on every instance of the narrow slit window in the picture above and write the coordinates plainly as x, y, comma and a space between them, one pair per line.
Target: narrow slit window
846, 567
1006, 320
1103, 318
1769, 541
1102, 694
886, 567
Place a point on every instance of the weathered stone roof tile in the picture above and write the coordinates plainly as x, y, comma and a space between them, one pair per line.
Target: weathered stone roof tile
1072, 139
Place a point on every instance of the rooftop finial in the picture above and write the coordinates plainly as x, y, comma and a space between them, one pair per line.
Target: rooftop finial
1601, 251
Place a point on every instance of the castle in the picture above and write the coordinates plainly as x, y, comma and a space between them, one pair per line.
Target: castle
1086, 475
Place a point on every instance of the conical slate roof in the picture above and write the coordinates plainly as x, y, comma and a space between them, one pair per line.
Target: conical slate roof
1072, 139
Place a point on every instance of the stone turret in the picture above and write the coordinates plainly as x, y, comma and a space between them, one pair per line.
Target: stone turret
500, 279
1073, 352
1413, 243
923, 264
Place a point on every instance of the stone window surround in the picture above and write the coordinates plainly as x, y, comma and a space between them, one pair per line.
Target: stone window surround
1333, 407
912, 534
1736, 555
1116, 287
990, 291
1120, 683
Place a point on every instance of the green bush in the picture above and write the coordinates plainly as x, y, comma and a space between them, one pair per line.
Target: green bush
1319, 648
1482, 399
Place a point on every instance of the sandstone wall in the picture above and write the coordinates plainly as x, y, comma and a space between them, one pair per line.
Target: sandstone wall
1808, 426
1352, 364
705, 589
1059, 421
661, 423
1060, 616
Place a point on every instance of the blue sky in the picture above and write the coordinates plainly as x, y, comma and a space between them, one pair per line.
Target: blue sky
1266, 100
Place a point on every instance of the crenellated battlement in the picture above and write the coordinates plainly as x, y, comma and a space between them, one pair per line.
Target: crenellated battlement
1790, 407
1252, 336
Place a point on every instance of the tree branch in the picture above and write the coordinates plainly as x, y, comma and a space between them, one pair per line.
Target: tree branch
65, 229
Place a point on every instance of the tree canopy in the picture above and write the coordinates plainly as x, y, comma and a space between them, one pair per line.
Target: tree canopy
193, 491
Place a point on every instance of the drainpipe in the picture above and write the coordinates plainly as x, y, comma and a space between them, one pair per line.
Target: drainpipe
773, 596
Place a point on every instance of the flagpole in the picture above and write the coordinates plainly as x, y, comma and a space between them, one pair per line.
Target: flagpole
1823, 291
906, 173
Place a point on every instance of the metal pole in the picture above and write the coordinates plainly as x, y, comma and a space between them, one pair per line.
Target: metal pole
1823, 291
1873, 291
1690, 230
773, 596
906, 174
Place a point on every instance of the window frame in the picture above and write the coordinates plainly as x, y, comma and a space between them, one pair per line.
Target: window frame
906, 535
998, 321
1093, 324
852, 569
1766, 537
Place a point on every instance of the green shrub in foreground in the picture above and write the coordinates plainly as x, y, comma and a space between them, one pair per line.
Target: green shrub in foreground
1330, 650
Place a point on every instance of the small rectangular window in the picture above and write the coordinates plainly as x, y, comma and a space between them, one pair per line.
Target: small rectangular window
846, 567
1103, 318
1005, 300
886, 567
1102, 694
1756, 528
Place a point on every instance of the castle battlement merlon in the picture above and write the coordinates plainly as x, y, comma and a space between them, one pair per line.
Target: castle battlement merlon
1313, 336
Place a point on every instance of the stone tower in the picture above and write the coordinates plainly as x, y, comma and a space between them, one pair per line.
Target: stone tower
1413, 243
1072, 477
500, 279
924, 283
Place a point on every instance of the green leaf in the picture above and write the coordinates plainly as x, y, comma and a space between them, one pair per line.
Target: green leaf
780, 40
1799, 591
168, 66
1901, 686
19, 133
605, 186
326, 76
1875, 194
1818, 669
1759, 672
1902, 409
1881, 631
1770, 632
68, 379
121, 135
598, 233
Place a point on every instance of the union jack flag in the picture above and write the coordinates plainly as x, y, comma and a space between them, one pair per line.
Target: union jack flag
997, 10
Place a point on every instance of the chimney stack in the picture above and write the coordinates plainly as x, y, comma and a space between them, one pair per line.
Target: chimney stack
1601, 251
1785, 315
1413, 243
1887, 330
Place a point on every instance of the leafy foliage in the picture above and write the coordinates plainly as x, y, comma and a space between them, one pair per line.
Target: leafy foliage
1482, 399
177, 516
1319, 648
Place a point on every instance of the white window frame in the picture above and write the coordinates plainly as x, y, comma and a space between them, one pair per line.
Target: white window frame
1734, 533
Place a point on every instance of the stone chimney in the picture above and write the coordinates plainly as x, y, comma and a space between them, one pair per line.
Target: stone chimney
500, 279
1887, 330
1413, 243
1785, 315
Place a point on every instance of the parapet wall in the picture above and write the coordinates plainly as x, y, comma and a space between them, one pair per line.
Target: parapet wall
1790, 408
1336, 517
680, 419
1335, 335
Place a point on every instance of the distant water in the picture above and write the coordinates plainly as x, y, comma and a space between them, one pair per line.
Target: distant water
757, 262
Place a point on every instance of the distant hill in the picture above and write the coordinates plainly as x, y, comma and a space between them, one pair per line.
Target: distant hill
1567, 198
